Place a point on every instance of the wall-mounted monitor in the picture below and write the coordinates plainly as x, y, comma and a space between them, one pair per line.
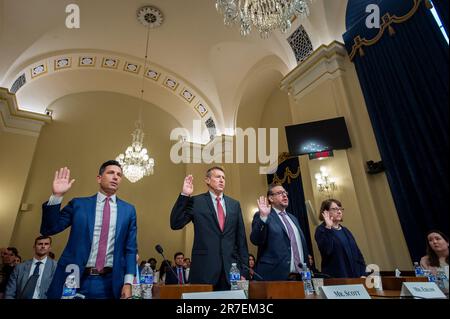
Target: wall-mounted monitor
318, 136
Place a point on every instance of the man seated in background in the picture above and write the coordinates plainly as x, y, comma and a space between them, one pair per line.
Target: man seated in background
31, 279
178, 270
8, 263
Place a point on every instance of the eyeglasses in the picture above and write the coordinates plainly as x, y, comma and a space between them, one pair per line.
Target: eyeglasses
280, 193
335, 209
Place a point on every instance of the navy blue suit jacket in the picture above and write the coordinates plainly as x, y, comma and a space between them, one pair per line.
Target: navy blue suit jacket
274, 246
80, 214
338, 260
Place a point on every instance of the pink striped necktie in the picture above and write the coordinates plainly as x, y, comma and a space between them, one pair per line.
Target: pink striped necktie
103, 242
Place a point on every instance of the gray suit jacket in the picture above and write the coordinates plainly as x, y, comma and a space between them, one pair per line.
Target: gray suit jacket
20, 276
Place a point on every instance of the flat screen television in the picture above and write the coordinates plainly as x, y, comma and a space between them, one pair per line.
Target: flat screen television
319, 136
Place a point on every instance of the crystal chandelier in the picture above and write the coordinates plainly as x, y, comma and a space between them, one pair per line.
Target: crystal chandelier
136, 162
325, 183
264, 15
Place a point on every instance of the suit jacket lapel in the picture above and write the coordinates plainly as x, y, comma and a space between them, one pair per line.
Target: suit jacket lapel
120, 216
212, 209
91, 211
228, 211
26, 272
273, 214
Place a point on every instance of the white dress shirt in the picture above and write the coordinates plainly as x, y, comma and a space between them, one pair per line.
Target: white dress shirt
41, 271
222, 202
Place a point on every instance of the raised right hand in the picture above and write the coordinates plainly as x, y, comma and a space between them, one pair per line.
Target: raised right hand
188, 186
263, 206
327, 219
62, 182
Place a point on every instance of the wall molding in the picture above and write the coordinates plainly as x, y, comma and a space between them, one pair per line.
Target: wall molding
14, 120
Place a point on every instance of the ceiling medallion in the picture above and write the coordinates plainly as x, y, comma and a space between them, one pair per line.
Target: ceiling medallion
150, 16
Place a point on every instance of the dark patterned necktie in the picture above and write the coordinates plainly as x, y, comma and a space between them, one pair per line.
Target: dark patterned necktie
293, 241
30, 286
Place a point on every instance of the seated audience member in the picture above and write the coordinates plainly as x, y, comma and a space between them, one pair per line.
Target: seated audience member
178, 269
17, 260
437, 251
31, 279
152, 261
163, 269
8, 259
341, 257
251, 265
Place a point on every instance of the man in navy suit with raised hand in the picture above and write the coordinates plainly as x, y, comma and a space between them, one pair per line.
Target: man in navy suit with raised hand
277, 233
102, 240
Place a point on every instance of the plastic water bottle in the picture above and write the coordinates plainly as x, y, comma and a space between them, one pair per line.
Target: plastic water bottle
70, 288
147, 281
235, 276
307, 282
418, 270
442, 280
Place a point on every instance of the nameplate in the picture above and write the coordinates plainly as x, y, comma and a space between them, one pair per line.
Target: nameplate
345, 292
426, 290
227, 294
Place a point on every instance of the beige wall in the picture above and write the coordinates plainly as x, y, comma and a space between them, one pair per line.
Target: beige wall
90, 128
15, 160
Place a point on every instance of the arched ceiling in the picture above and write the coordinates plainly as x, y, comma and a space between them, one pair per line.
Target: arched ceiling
192, 51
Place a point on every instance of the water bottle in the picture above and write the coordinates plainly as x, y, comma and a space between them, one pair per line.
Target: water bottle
235, 276
70, 288
147, 281
442, 280
418, 270
307, 282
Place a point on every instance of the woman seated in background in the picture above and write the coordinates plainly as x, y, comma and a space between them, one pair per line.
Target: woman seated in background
437, 251
163, 269
341, 257
251, 265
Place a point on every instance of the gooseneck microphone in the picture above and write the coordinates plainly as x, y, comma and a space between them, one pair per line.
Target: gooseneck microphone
254, 272
316, 274
160, 251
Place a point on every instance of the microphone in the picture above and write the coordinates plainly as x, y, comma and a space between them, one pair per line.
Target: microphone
160, 251
316, 274
249, 269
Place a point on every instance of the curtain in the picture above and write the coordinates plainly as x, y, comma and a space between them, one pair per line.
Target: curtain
405, 81
288, 175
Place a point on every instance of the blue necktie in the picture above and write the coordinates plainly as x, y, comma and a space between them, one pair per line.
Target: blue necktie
30, 286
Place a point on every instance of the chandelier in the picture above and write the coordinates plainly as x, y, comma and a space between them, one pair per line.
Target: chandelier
264, 15
325, 183
136, 162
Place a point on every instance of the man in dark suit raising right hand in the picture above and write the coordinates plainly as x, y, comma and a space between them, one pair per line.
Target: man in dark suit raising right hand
219, 232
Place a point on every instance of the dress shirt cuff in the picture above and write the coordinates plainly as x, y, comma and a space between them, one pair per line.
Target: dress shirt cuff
263, 218
183, 194
54, 200
128, 279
